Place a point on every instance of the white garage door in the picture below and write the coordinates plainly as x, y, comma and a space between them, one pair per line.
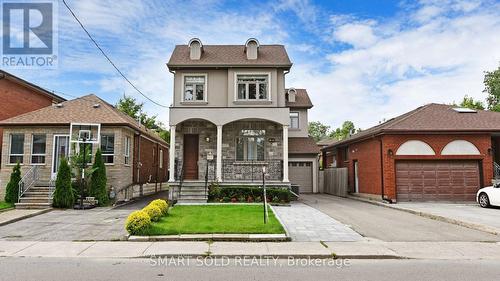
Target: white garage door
301, 173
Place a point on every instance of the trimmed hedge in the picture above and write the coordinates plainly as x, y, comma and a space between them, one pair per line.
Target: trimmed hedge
162, 204
137, 222
153, 212
247, 194
12, 189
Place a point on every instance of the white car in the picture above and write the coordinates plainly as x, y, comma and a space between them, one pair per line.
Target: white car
489, 196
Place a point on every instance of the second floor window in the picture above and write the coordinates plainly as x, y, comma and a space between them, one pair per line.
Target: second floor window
252, 87
294, 120
16, 149
194, 88
38, 146
108, 148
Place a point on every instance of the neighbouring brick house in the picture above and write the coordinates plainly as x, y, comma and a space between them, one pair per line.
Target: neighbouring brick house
136, 158
231, 115
19, 96
433, 153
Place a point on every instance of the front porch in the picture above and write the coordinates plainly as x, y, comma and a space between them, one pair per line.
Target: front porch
234, 153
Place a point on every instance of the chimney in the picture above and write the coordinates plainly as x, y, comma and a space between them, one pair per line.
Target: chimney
252, 48
195, 49
292, 93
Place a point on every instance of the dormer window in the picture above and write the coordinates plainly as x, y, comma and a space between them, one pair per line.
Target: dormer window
195, 49
252, 48
292, 93
252, 86
195, 88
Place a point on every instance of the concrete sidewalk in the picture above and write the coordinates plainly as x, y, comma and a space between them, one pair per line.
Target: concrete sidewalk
14, 215
351, 250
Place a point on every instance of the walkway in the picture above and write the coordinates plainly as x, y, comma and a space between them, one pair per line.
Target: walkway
305, 223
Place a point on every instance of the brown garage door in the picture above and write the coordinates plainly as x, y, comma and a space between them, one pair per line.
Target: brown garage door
301, 173
437, 180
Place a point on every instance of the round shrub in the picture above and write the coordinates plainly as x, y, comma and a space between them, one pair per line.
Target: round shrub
162, 204
153, 212
137, 222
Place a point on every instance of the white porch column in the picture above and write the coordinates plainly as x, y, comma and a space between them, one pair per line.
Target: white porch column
171, 166
285, 153
219, 153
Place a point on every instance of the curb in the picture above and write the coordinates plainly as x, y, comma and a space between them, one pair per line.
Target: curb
213, 237
478, 227
280, 256
26, 216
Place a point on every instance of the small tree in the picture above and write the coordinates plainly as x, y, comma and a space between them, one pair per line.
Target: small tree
63, 195
12, 190
99, 180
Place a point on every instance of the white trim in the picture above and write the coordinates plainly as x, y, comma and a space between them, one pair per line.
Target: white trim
315, 169
298, 120
415, 147
126, 153
52, 174
10, 149
205, 90
85, 124
460, 147
269, 86
38, 154
107, 154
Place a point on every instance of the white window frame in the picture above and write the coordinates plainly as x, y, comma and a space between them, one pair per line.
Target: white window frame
161, 158
38, 154
298, 120
245, 147
10, 149
127, 151
114, 148
269, 85
205, 90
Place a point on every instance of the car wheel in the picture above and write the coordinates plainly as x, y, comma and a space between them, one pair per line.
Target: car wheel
484, 201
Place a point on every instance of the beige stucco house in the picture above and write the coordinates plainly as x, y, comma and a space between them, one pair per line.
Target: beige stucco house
232, 115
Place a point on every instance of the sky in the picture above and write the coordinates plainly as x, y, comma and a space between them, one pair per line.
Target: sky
364, 61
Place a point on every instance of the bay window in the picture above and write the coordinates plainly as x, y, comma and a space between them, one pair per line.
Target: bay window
16, 153
38, 149
252, 87
195, 87
250, 145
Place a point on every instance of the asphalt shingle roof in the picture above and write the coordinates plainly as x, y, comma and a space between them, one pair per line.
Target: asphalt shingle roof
302, 146
302, 99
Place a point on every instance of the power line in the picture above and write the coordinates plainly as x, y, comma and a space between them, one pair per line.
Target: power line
109, 59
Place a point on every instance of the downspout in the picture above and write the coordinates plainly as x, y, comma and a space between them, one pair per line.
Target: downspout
139, 164
382, 173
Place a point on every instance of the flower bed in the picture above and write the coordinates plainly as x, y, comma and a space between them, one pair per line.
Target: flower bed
247, 194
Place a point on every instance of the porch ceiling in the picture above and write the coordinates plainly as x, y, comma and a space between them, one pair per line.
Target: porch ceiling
222, 116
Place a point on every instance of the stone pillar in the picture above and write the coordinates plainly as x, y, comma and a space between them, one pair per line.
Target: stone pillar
171, 166
285, 153
219, 153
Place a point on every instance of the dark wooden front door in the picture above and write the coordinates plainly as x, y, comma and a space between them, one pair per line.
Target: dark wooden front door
191, 157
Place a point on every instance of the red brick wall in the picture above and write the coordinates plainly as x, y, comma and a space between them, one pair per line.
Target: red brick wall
16, 99
367, 154
437, 142
150, 171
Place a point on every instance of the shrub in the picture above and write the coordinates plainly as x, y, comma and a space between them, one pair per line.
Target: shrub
162, 204
63, 195
98, 180
275, 194
153, 211
137, 222
12, 189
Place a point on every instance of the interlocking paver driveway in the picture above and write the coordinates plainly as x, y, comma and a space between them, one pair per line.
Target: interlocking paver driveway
305, 223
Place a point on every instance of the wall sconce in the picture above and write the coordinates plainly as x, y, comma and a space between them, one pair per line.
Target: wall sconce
271, 140
207, 139
390, 153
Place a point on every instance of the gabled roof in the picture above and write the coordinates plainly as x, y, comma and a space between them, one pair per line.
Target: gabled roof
302, 99
433, 118
230, 56
6, 75
302, 146
86, 109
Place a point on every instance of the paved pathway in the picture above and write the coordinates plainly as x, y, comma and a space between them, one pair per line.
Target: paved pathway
15, 215
305, 223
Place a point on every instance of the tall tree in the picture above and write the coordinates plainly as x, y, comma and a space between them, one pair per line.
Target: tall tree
492, 88
344, 132
63, 194
469, 102
134, 109
98, 181
318, 130
12, 189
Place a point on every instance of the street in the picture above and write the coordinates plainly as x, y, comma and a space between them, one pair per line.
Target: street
145, 269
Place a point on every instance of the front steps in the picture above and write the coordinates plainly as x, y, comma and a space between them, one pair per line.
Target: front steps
37, 197
192, 192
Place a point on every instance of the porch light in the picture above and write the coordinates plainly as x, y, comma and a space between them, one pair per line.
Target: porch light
390, 152
207, 139
271, 140
264, 169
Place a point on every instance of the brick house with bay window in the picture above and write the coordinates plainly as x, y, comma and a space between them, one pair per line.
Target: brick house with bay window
433, 153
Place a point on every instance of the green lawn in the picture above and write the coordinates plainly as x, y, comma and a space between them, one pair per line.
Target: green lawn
5, 205
220, 219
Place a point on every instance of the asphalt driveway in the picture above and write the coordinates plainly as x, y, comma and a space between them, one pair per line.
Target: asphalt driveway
389, 224
76, 225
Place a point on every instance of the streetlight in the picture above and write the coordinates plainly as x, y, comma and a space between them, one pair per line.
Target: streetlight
264, 193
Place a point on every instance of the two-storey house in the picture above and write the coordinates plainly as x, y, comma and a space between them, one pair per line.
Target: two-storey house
232, 115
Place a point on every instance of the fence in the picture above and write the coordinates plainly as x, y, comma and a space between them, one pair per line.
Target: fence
335, 181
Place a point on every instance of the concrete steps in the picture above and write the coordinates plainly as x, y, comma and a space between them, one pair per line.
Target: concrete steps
37, 197
33, 205
193, 192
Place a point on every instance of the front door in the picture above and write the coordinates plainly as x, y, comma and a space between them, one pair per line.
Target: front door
61, 149
191, 157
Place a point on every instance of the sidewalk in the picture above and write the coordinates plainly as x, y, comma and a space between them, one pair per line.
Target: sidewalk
14, 215
350, 250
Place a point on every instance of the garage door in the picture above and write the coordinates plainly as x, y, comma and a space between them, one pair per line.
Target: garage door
300, 173
437, 180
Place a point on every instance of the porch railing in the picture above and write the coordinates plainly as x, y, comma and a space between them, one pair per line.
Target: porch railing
496, 170
27, 181
251, 170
